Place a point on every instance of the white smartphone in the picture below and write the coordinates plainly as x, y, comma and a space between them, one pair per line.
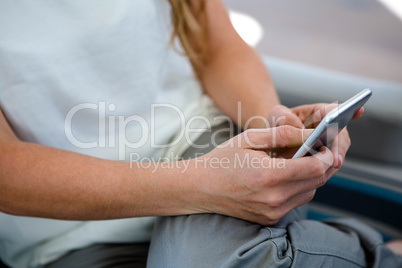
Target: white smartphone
329, 127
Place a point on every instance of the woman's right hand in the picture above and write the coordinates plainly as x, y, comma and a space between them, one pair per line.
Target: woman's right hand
239, 178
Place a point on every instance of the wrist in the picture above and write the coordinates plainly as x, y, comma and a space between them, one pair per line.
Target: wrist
177, 187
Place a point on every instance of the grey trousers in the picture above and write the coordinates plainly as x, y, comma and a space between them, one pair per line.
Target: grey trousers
211, 240
105, 255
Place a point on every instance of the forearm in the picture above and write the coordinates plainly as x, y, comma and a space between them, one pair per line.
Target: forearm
233, 72
237, 75
44, 182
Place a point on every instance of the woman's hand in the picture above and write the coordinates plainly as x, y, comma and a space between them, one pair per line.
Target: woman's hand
309, 116
240, 179
302, 116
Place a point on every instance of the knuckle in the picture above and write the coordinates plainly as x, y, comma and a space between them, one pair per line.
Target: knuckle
284, 134
318, 169
321, 181
276, 200
287, 131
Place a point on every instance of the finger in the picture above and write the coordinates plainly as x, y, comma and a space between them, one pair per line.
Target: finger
338, 158
339, 147
292, 120
302, 186
359, 113
304, 168
277, 137
282, 115
298, 193
311, 115
331, 172
304, 111
328, 175
319, 114
287, 153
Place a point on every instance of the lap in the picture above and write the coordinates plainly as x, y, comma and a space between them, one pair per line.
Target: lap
211, 240
105, 255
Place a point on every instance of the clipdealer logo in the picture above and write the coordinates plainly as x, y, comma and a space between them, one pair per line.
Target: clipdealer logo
112, 129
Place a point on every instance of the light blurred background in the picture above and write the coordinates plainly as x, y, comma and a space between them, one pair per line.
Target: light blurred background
361, 37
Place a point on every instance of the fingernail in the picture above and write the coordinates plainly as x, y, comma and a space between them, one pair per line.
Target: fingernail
340, 160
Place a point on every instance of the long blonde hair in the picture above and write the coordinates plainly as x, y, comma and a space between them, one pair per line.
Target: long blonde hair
186, 20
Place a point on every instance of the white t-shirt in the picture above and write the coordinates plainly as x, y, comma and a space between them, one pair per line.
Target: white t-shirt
82, 76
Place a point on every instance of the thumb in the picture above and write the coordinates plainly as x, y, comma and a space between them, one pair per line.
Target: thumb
277, 137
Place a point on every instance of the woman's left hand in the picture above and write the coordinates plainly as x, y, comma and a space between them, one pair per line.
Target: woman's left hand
309, 116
